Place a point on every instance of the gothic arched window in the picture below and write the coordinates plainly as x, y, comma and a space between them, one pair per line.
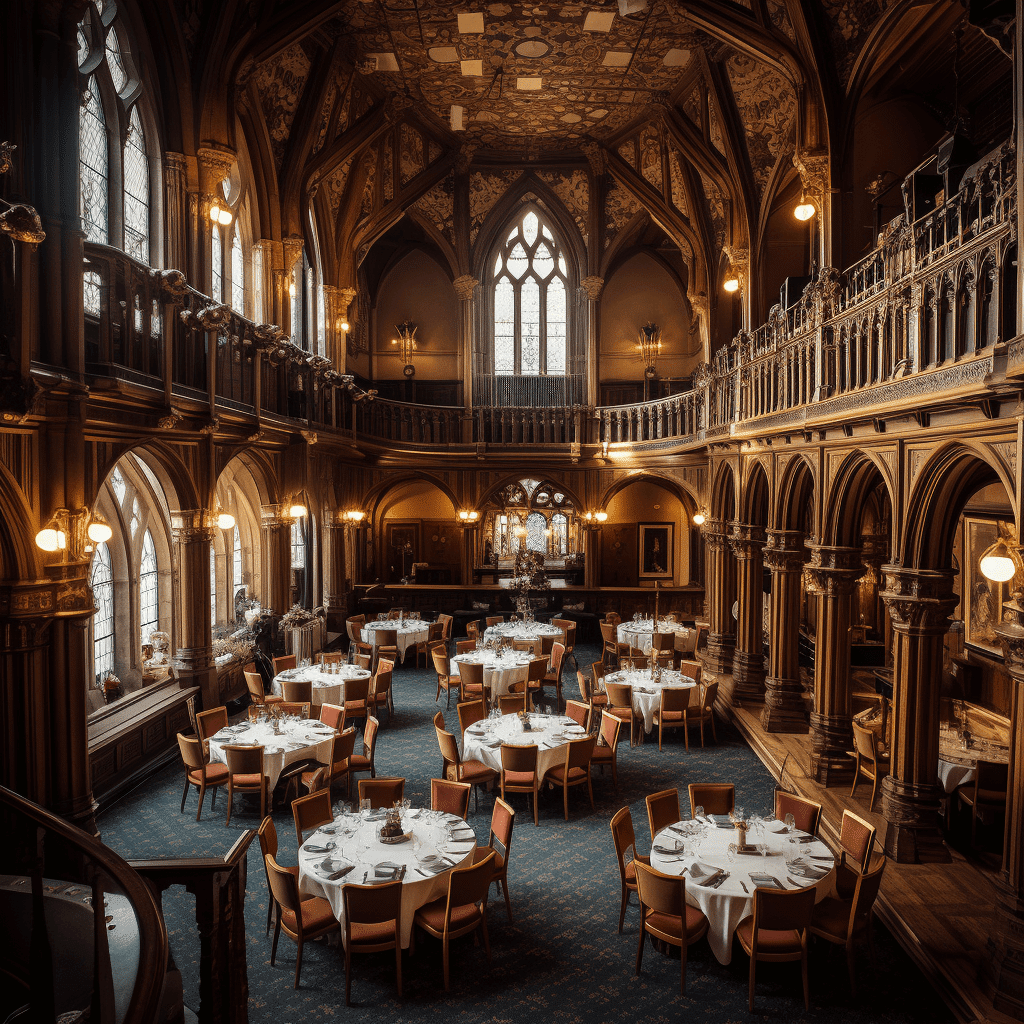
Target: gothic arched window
237, 273
101, 579
149, 614
92, 173
530, 285
136, 190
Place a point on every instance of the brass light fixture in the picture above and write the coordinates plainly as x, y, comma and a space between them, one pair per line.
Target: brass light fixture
73, 534
649, 345
699, 518
805, 209
998, 563
468, 515
407, 340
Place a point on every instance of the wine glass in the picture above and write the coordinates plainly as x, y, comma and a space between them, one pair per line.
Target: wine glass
698, 812
790, 822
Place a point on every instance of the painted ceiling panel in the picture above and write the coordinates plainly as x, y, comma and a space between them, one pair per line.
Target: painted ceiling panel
280, 83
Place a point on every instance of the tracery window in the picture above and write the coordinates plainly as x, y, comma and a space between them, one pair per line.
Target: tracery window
136, 190
530, 283
149, 615
101, 579
236, 561
216, 266
213, 585
536, 533
93, 178
237, 273
298, 545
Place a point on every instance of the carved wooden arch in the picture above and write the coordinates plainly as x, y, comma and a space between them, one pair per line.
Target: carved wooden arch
755, 495
798, 481
513, 478
625, 239
724, 488
260, 468
441, 246
378, 492
688, 498
846, 494
18, 551
175, 477
938, 493
266, 212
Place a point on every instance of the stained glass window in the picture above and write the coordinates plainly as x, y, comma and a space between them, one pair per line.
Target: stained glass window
237, 273
257, 284
536, 530
83, 46
114, 62
148, 589
117, 482
559, 533
216, 265
530, 309
213, 585
93, 165
236, 560
296, 296
298, 545
136, 191
101, 579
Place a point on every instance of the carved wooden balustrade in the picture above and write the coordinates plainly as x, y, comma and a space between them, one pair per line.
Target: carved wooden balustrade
675, 417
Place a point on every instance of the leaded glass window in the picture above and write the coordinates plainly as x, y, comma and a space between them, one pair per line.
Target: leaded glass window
213, 585
114, 62
530, 309
148, 589
257, 284
101, 579
559, 534
135, 515
237, 273
216, 265
91, 292
117, 482
136, 191
298, 545
236, 560
536, 533
93, 165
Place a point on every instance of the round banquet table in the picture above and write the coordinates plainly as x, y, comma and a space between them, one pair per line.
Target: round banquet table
520, 631
300, 740
647, 692
354, 840
500, 670
410, 633
549, 733
726, 905
328, 685
641, 633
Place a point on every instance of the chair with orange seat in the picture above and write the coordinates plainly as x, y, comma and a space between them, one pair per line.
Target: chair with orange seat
476, 773
519, 772
268, 846
662, 810
512, 703
665, 915
338, 766
464, 646
463, 911
470, 712
245, 775
199, 772
494, 620
300, 919
381, 792
503, 820
714, 797
364, 762
553, 677
298, 710
362, 655
435, 635
283, 663
310, 812
575, 771
210, 723
625, 840
450, 797
473, 630
332, 657
357, 700
703, 711
856, 841
611, 649
606, 752
373, 924
471, 679
806, 813
777, 932
385, 645
578, 712
381, 693
445, 680
333, 715
671, 712
620, 705
254, 683
536, 670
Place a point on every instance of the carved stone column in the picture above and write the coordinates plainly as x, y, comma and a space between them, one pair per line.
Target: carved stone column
784, 708
176, 210
335, 570
276, 553
465, 289
834, 572
214, 166
1002, 971
920, 602
192, 534
720, 577
591, 287
747, 543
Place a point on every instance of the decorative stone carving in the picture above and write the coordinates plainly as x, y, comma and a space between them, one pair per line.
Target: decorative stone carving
173, 286
170, 421
592, 287
22, 223
465, 286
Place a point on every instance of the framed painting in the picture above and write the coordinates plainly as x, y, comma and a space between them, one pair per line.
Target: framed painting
655, 548
982, 598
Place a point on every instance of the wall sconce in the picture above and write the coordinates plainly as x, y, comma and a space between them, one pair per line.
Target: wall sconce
649, 346
225, 521
699, 517
731, 283
805, 209
407, 340
1000, 562
341, 325
220, 215
296, 510
593, 518
68, 532
354, 516
468, 515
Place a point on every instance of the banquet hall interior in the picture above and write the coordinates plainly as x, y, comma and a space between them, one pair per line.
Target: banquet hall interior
670, 385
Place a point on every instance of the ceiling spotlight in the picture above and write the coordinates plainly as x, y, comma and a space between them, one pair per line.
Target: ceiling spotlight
457, 118
804, 210
731, 284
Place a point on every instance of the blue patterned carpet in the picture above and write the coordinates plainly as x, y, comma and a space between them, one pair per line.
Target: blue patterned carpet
562, 960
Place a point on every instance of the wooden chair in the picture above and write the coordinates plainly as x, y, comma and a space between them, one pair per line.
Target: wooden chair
503, 819
703, 711
512, 703
362, 655
435, 635
382, 792
450, 797
317, 780
359, 763
494, 620
464, 646
690, 669
578, 712
354, 630
607, 748
663, 642
665, 915
396, 613
568, 627
442, 666
333, 715
519, 772
470, 711
777, 932
473, 630
381, 693
637, 661
869, 761
447, 624
553, 676
300, 919
806, 813
268, 846
385, 645
625, 840
373, 924
310, 812
611, 648
671, 712
595, 686
531, 647
210, 723
662, 810
476, 773
620, 705
987, 791
297, 691
338, 766
199, 772
283, 663
714, 797
464, 910
300, 710
841, 921
245, 775
332, 658
856, 841
575, 771
536, 670
471, 677
357, 703
254, 683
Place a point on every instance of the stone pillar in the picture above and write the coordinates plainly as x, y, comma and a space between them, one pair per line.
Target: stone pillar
176, 211
746, 542
192, 535
465, 289
470, 533
214, 166
276, 555
920, 602
720, 581
834, 572
784, 707
335, 570
1002, 970
591, 287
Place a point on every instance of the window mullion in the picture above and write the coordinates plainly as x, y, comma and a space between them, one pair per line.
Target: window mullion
518, 348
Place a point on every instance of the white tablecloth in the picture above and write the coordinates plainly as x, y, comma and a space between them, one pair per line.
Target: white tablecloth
364, 849
299, 741
727, 905
328, 686
520, 631
410, 633
549, 733
640, 634
500, 671
647, 692
952, 775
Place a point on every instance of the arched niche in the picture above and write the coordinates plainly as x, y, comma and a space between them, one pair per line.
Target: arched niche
415, 523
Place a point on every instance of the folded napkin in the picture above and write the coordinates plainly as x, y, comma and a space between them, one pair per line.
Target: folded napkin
700, 872
378, 815
676, 847
760, 880
387, 871
810, 871
313, 848
332, 870
722, 820
464, 831
495, 743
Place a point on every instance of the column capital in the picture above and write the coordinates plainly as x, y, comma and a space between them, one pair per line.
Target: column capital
919, 600
191, 525
784, 550
273, 516
716, 534
465, 286
746, 540
834, 570
592, 286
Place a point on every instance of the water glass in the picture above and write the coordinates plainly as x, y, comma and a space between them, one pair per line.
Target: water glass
698, 812
790, 822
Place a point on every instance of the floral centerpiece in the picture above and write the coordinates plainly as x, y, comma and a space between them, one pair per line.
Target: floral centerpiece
527, 574
303, 625
239, 647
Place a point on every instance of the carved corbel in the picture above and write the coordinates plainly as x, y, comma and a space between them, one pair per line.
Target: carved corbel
465, 286
592, 287
22, 223
211, 426
171, 420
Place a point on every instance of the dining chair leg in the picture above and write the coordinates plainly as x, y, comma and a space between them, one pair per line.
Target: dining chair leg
750, 983
231, 800
590, 790
184, 795
682, 968
270, 911
202, 796
856, 774
398, 964
803, 972
447, 985
348, 976
874, 791
623, 903
535, 821
640, 941
277, 934
298, 961
565, 799
483, 929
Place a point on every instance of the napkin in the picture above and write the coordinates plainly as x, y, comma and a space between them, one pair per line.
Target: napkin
387, 871
311, 848
663, 847
699, 870
722, 820
809, 871
332, 870
764, 881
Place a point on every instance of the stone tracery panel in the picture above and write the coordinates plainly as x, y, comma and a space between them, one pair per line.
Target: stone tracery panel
280, 83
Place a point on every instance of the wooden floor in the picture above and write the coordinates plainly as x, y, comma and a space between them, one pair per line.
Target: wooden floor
941, 914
